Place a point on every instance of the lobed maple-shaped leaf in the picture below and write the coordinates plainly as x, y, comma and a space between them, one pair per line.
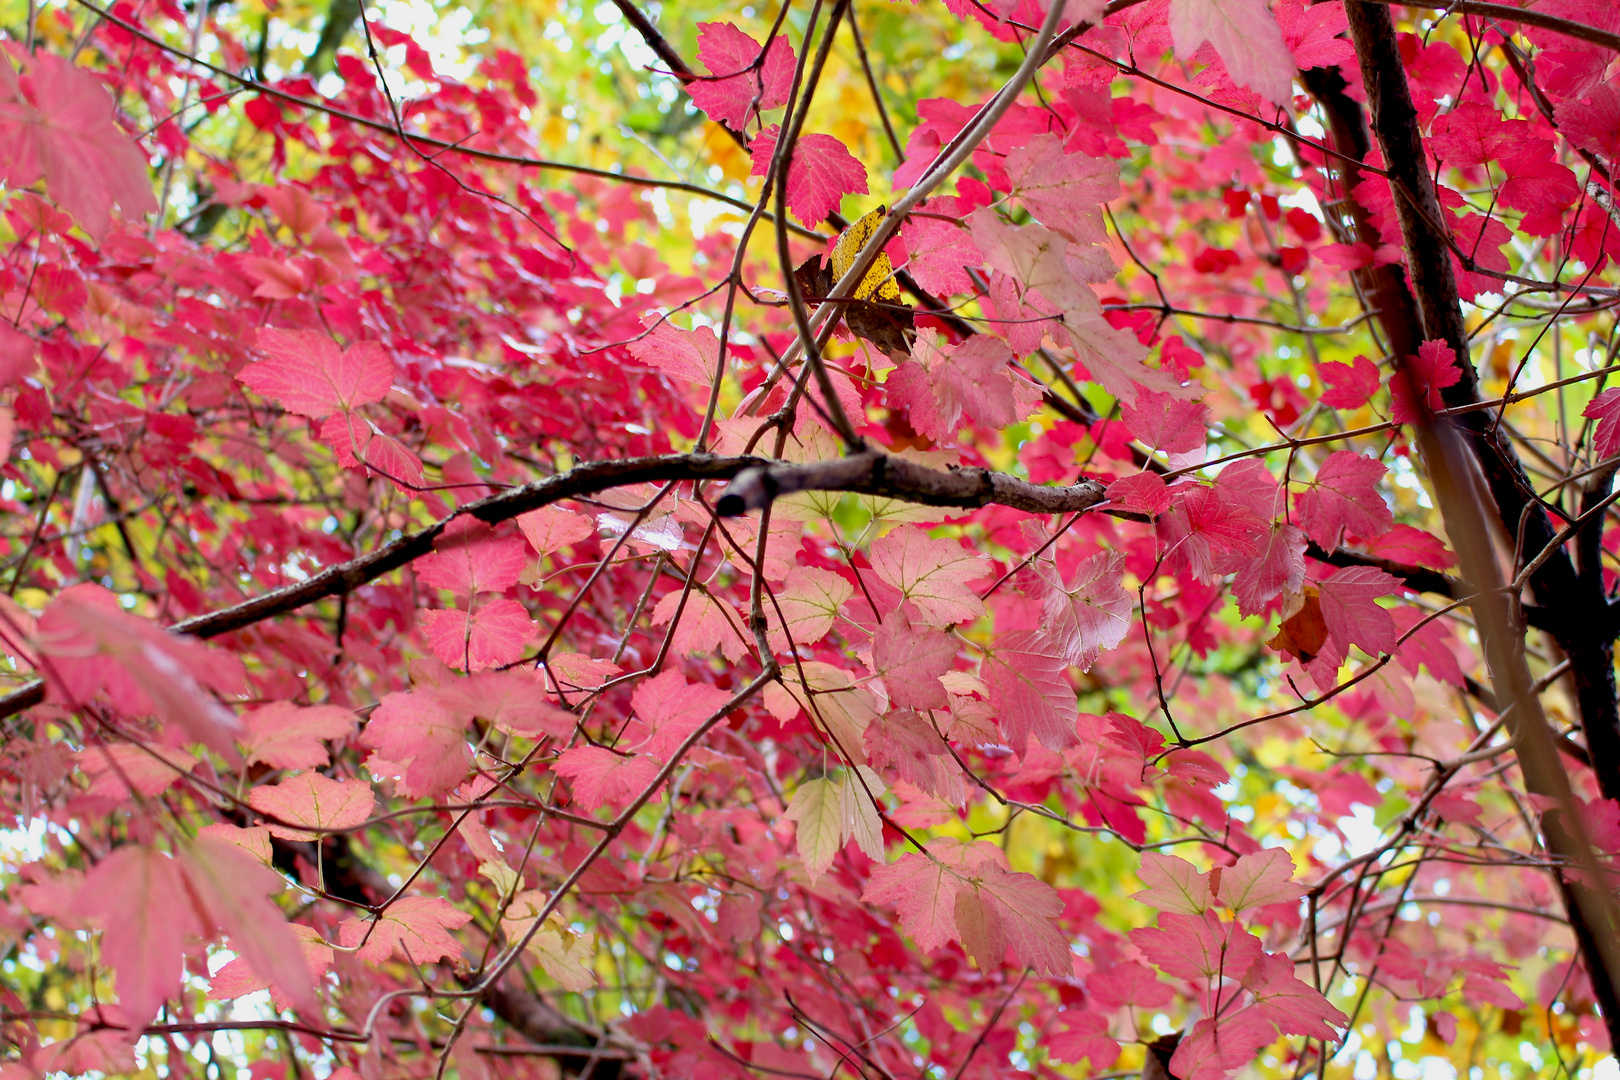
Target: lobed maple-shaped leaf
599, 777
415, 929
1091, 612
1173, 885
686, 356
919, 756
1348, 386
802, 611
1030, 694
115, 770
821, 173
1002, 912
706, 626
672, 709
1415, 387
1065, 191
1351, 611
827, 814
305, 373
57, 122
513, 700
1164, 422
938, 254
287, 736
1086, 1037
238, 978
1296, 1009
491, 633
137, 894
1605, 409
1197, 946
910, 658
563, 952
1215, 1048
357, 442
932, 574
940, 385
1343, 498
255, 841
1257, 880
552, 527
1128, 983
310, 799
744, 84
468, 558
1277, 568
923, 891
422, 735
1244, 35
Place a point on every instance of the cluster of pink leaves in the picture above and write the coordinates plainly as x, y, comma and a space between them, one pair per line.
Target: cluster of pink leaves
902, 660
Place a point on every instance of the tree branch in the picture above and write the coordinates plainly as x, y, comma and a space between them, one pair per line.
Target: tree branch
1508, 13
868, 473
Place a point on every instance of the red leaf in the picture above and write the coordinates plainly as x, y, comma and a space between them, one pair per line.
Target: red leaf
1167, 423
924, 893
552, 527
138, 895
1421, 379
1351, 612
1085, 1037
491, 633
939, 254
822, 172
468, 558
1279, 568
1091, 613
1173, 885
939, 385
932, 574
305, 373
1030, 693
729, 53
1128, 983
1002, 912
57, 122
1349, 386
1217, 1048
602, 778
1344, 498
1605, 409
1257, 880
686, 356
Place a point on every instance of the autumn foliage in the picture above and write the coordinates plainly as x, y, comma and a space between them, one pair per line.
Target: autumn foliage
947, 540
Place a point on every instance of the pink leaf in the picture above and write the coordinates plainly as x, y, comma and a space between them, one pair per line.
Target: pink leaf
1217, 1048
1197, 946
730, 54
1244, 35
313, 800
1091, 613
468, 558
1297, 1009
1140, 493
305, 373
552, 527
419, 733
602, 778
415, 929
492, 633
932, 574
1003, 912
285, 736
940, 384
1278, 568
706, 626
672, 708
1085, 1037
686, 356
1167, 423
57, 122
1065, 191
1257, 880
514, 701
1030, 694
1173, 885
137, 894
1605, 409
1344, 498
910, 659
822, 172
1128, 983
939, 253
924, 893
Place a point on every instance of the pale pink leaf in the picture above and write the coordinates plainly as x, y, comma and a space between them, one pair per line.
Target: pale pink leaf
932, 574
910, 659
415, 929
1090, 613
1352, 613
1065, 191
672, 709
313, 801
469, 558
1197, 946
421, 734
599, 777
491, 634
552, 527
1296, 1008
923, 892
1257, 880
1030, 693
1173, 885
1243, 34
689, 357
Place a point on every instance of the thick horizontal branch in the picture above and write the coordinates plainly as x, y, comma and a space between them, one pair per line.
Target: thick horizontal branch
866, 474
876, 473
1509, 13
